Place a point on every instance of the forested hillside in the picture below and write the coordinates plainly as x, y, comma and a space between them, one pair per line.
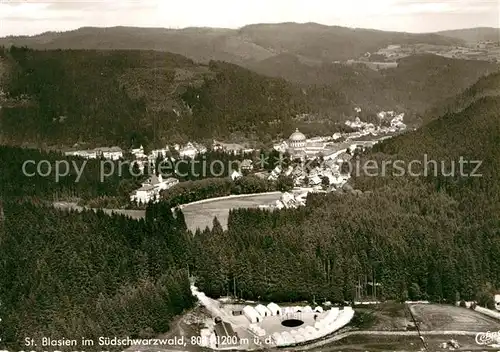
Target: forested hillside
418, 83
123, 98
52, 177
97, 98
434, 237
74, 275
488, 86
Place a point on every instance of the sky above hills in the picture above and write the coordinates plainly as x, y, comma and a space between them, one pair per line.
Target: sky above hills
28, 17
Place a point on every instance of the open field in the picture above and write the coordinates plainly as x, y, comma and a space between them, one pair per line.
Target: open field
373, 343
201, 215
389, 316
446, 318
198, 215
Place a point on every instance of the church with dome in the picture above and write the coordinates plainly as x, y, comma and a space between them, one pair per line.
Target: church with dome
297, 140
298, 146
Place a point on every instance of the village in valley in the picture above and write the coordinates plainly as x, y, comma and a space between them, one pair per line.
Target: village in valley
313, 163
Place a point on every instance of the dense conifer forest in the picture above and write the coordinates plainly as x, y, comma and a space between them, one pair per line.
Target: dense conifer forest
69, 275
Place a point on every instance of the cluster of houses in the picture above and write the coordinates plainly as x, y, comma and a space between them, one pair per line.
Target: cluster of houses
328, 169
395, 122
112, 153
327, 175
288, 201
151, 189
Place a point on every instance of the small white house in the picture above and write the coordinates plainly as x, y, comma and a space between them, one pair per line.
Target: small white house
318, 309
252, 315
274, 308
162, 153
138, 152
113, 153
235, 175
87, 154
188, 151
497, 302
151, 188
263, 311
247, 165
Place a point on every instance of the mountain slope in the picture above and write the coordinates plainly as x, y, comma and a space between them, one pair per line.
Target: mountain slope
417, 84
471, 134
473, 35
116, 97
331, 43
488, 86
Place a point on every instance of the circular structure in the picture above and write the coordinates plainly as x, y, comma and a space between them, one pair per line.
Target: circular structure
292, 323
297, 139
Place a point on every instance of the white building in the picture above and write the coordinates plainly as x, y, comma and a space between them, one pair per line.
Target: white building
263, 310
138, 152
246, 165
113, 153
87, 154
235, 175
497, 302
151, 188
318, 309
188, 151
275, 173
162, 153
314, 180
274, 308
252, 315
301, 147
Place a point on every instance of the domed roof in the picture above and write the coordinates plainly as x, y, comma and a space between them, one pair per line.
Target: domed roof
297, 136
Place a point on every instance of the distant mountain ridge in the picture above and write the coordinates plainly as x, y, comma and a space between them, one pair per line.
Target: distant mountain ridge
472, 35
248, 44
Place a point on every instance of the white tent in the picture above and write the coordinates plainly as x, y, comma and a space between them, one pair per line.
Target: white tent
332, 315
318, 309
288, 338
307, 309
307, 336
274, 308
318, 325
263, 310
252, 314
278, 339
299, 338
310, 329
317, 334
260, 332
